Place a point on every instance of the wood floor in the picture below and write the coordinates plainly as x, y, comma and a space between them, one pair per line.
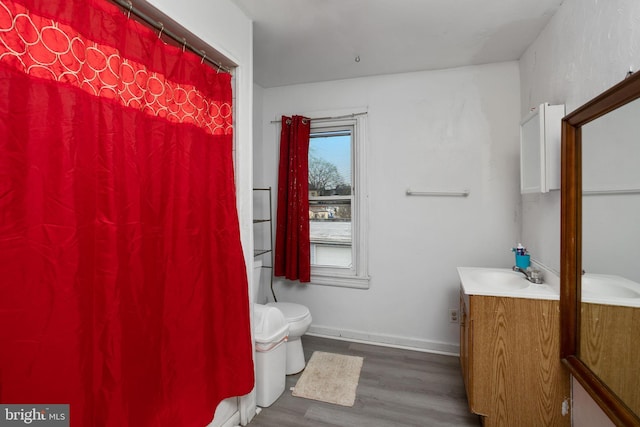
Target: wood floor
397, 388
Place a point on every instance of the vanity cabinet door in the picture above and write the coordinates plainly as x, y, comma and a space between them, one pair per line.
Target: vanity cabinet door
610, 349
515, 377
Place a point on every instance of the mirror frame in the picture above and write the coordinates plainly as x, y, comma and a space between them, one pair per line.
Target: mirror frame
571, 245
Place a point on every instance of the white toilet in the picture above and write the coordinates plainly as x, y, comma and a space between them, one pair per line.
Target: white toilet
299, 319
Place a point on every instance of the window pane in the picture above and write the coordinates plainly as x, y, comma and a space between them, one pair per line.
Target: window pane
330, 222
330, 163
331, 256
330, 233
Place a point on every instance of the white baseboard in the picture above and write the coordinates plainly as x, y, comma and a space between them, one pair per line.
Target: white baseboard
233, 421
385, 340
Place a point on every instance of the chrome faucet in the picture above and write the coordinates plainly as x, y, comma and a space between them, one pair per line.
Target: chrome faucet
534, 276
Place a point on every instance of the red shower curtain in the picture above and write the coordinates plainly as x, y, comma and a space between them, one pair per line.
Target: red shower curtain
292, 251
123, 290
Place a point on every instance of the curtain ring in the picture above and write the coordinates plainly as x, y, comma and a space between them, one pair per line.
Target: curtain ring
130, 9
161, 30
184, 44
204, 55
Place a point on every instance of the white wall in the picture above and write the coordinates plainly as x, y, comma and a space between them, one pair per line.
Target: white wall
439, 130
587, 47
258, 164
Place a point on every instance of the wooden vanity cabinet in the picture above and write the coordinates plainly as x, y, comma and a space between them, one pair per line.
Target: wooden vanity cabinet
609, 347
510, 358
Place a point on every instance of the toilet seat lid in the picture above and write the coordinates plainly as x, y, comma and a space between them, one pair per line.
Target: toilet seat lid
291, 311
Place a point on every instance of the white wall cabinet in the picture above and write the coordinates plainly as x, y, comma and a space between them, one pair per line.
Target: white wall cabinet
540, 135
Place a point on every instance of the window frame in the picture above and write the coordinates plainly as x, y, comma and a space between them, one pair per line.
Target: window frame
358, 275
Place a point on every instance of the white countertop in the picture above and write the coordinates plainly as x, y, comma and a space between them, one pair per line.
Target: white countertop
610, 290
504, 282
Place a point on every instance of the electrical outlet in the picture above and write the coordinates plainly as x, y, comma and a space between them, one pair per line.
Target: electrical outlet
453, 315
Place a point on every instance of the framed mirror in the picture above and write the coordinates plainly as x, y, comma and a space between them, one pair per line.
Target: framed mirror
600, 229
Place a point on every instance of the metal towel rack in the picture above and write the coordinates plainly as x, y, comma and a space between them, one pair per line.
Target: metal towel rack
612, 191
461, 193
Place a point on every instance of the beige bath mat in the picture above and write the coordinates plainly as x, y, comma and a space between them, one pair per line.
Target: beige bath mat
331, 378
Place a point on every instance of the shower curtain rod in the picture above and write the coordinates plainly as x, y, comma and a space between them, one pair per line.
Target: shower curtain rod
130, 9
346, 116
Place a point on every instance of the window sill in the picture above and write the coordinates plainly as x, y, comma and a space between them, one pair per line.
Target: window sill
356, 282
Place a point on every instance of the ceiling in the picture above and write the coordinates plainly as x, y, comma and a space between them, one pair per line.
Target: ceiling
303, 41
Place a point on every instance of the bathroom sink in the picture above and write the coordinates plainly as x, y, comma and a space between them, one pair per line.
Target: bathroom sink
502, 282
605, 286
505, 280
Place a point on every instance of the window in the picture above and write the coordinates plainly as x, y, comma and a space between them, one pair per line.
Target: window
331, 197
336, 203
